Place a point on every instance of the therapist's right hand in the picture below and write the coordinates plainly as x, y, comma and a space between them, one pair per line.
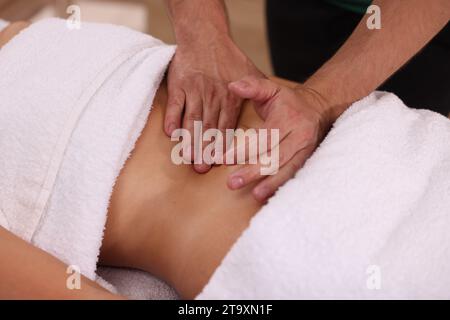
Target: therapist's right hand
301, 116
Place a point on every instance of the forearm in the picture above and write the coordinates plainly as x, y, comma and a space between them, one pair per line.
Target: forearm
370, 57
198, 20
27, 272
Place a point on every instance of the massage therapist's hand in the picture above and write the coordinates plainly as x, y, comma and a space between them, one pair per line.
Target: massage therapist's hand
205, 62
198, 81
302, 117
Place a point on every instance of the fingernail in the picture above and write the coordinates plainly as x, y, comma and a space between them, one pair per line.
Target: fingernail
242, 84
236, 182
202, 168
262, 193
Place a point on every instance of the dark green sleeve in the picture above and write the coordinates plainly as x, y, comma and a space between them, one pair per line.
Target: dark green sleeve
357, 6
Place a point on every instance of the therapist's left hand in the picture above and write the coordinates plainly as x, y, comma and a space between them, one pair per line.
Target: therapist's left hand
198, 79
303, 119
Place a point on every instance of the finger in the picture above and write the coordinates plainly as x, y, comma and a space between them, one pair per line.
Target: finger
267, 165
243, 176
211, 109
290, 146
257, 89
228, 117
191, 122
253, 172
279, 126
174, 110
272, 132
267, 187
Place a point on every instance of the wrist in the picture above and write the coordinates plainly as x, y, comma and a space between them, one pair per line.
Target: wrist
199, 20
332, 101
316, 102
205, 40
220, 50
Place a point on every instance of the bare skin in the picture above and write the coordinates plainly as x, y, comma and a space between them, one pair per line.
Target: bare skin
157, 221
366, 60
206, 60
169, 220
26, 272
163, 218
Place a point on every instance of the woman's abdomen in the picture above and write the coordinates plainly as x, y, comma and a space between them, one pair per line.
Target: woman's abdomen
169, 220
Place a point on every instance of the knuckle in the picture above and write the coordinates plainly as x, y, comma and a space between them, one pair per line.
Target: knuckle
175, 94
209, 96
293, 167
170, 118
184, 82
282, 157
309, 134
208, 125
228, 124
233, 101
273, 185
198, 79
173, 102
193, 116
175, 80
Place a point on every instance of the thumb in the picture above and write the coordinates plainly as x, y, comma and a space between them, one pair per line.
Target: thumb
253, 88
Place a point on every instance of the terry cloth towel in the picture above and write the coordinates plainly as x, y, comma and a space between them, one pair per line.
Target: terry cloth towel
367, 217
73, 103
136, 284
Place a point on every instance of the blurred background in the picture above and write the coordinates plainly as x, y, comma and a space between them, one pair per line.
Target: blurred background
247, 19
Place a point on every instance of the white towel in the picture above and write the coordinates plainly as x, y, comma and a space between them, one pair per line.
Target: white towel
73, 103
137, 285
367, 217
373, 198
